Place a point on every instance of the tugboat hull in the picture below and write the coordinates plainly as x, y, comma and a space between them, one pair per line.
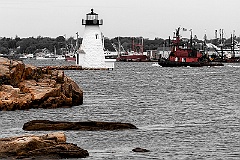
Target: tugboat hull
188, 64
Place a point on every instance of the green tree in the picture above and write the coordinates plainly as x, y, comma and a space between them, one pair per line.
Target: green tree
60, 39
12, 44
108, 45
25, 43
3, 50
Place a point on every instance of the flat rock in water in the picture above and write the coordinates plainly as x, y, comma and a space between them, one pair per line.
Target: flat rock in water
49, 146
46, 125
138, 149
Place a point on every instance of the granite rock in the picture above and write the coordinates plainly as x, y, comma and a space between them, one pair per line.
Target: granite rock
49, 146
26, 86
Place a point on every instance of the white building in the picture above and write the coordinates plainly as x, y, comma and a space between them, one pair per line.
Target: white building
91, 53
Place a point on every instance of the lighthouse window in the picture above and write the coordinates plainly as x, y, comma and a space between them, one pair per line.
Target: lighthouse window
96, 36
92, 17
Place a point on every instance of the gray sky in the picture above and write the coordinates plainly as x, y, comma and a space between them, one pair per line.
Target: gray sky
147, 18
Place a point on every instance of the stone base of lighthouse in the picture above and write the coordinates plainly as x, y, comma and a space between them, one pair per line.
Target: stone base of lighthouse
91, 54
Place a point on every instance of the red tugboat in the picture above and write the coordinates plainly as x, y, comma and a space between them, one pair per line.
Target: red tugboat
136, 55
184, 57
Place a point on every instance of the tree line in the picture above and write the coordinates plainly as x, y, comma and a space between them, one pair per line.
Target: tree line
32, 45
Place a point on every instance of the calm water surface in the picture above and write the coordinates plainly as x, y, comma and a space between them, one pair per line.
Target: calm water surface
181, 113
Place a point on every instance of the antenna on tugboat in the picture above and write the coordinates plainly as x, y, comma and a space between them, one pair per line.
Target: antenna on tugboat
169, 41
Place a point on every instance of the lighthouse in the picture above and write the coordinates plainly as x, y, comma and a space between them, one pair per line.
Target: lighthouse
91, 52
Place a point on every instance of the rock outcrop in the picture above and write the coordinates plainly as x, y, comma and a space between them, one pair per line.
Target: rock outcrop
50, 146
26, 86
45, 125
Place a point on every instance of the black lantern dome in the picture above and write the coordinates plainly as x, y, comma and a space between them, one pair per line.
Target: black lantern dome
92, 19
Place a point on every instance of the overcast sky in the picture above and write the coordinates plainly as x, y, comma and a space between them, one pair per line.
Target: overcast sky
146, 18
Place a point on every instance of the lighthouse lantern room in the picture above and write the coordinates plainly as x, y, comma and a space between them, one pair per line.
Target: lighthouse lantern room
91, 52
92, 19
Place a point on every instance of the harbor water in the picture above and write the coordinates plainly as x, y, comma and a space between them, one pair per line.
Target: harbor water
181, 113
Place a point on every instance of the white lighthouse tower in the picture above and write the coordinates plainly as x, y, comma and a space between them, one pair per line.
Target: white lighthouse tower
91, 54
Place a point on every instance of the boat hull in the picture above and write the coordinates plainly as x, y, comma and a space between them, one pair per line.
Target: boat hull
133, 58
187, 64
70, 59
231, 60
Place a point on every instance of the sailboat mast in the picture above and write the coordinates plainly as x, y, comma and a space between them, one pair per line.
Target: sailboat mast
103, 41
221, 41
133, 45
55, 52
233, 43
76, 48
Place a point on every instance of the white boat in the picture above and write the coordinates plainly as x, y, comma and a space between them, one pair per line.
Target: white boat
29, 56
46, 55
110, 55
50, 56
60, 57
70, 57
156, 65
22, 57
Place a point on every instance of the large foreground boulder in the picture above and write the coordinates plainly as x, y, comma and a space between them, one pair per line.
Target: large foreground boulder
26, 86
50, 146
45, 125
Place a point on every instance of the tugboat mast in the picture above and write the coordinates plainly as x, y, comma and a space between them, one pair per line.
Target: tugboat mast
191, 41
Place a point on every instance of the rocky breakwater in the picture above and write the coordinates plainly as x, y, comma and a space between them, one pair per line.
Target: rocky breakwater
25, 86
49, 146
